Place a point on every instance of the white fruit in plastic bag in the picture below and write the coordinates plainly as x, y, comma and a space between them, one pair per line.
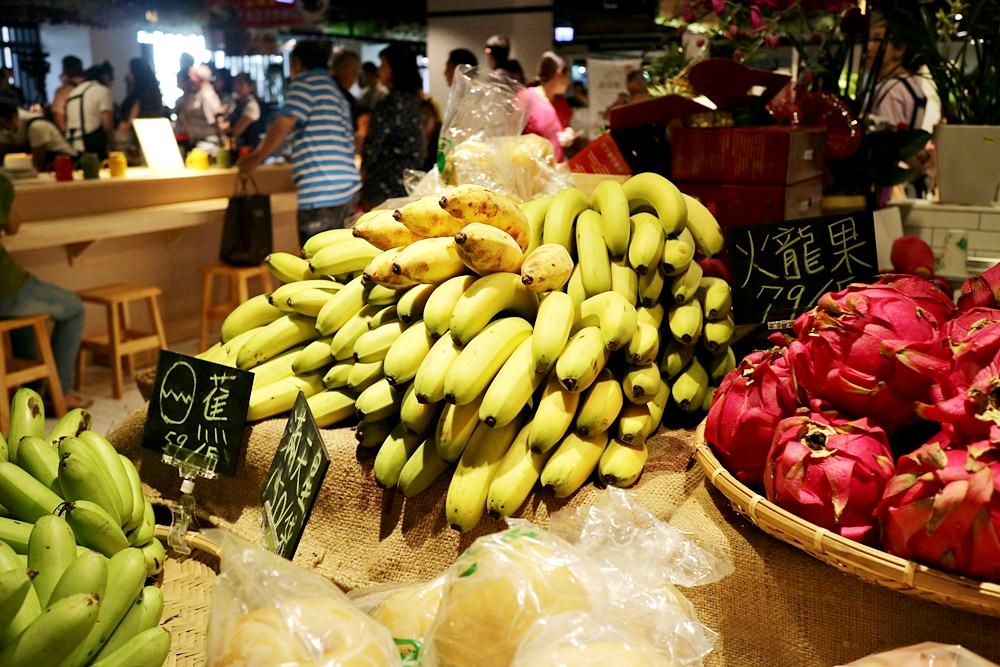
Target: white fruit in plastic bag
580, 639
409, 612
499, 588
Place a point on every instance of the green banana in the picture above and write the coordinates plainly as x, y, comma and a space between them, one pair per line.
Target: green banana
373, 434
15, 584
481, 359
393, 454
352, 254
454, 428
600, 406
374, 345
645, 248
704, 227
338, 375
313, 357
51, 549
10, 559
326, 238
24, 496
16, 534
421, 470
41, 460
87, 574
154, 555
486, 297
29, 609
684, 286
72, 424
553, 415
4, 451
142, 616
678, 253
54, 634
512, 387
574, 287
27, 417
280, 396
624, 280
342, 343
379, 401
717, 334
330, 407
149, 648
534, 210
143, 533
685, 321
719, 365
609, 200
616, 317
94, 527
650, 288
111, 463
385, 315
621, 464
716, 297
416, 416
81, 480
362, 376
688, 390
552, 328
138, 499
641, 383
675, 358
592, 254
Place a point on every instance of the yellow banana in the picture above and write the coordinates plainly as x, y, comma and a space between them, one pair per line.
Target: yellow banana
706, 403
379, 271
309, 302
719, 365
650, 288
342, 343
490, 208
454, 428
572, 462
466, 500
429, 382
279, 297
410, 306
288, 268
644, 346
379, 401
251, 314
431, 260
278, 397
575, 287
425, 217
231, 350
373, 434
515, 476
645, 248
313, 357
704, 227
684, 286
383, 231
336, 377
600, 405
678, 252
406, 354
685, 322
344, 305
317, 242
331, 407
584, 357
484, 299
343, 257
534, 210
566, 206
609, 200
674, 358
688, 390
374, 345
553, 415
421, 469
616, 317
592, 253
377, 295
441, 303
641, 383
486, 249
416, 416
512, 387
624, 280
273, 339
553, 325
384, 316
717, 334
716, 297
638, 421
393, 454
652, 316
662, 195
621, 464
362, 376
481, 359
546, 268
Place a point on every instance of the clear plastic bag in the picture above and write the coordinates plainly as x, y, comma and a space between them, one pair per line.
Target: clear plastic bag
928, 654
267, 612
408, 611
582, 639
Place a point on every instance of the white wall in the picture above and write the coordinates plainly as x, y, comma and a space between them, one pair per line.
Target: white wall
117, 46
60, 41
530, 35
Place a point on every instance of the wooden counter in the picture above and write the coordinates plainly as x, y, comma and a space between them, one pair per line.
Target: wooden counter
145, 228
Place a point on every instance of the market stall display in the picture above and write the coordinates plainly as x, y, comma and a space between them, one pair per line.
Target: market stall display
469, 305
74, 509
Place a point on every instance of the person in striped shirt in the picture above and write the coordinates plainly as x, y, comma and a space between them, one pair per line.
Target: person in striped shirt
318, 119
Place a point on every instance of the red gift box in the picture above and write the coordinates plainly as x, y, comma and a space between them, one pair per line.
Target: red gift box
738, 205
600, 156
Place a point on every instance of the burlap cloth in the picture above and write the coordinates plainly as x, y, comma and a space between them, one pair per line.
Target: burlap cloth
779, 608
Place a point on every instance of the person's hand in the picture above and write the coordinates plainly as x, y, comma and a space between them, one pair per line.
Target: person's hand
249, 163
566, 137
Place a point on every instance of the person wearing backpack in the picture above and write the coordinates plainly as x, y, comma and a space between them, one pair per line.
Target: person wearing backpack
90, 113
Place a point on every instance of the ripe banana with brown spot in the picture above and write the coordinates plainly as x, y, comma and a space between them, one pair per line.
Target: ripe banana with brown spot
425, 217
486, 249
491, 208
379, 271
546, 268
383, 231
431, 260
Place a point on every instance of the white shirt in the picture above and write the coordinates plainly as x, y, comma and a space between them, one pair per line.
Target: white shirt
96, 99
251, 110
42, 133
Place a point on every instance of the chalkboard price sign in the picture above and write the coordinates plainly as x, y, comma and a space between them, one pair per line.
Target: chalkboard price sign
780, 270
198, 408
293, 481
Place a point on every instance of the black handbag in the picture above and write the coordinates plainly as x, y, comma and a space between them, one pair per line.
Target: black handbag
246, 232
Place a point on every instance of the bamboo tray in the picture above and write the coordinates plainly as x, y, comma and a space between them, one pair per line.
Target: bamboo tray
862, 561
187, 596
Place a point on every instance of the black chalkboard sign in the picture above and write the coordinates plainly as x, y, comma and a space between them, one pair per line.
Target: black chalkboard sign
780, 270
293, 481
197, 411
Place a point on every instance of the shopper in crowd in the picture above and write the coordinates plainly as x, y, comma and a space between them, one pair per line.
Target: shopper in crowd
395, 140
33, 133
317, 117
346, 67
372, 89
23, 294
223, 84
900, 101
245, 124
458, 57
90, 113
543, 119
142, 99
71, 77
513, 69
184, 72
199, 109
497, 51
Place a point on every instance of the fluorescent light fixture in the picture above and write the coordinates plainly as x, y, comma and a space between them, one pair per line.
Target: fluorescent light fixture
564, 33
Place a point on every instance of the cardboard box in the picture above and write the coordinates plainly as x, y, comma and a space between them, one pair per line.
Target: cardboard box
736, 205
773, 155
600, 156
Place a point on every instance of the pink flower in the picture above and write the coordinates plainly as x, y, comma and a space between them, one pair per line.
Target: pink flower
756, 20
718, 6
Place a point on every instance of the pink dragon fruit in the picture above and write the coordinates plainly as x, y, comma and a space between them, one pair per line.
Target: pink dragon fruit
981, 291
830, 471
943, 509
749, 403
844, 352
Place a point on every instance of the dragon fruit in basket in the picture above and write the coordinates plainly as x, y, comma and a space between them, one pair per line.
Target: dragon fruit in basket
830, 471
749, 403
844, 352
943, 508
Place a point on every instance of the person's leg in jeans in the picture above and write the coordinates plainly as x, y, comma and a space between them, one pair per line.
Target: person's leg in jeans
65, 309
312, 221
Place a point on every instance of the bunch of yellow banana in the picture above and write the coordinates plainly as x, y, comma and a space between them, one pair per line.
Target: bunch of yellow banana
76, 547
516, 344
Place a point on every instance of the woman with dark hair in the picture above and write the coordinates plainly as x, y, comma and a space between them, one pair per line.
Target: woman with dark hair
395, 138
543, 119
143, 99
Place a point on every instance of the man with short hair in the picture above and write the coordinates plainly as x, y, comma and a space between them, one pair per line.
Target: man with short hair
318, 119
200, 109
71, 77
458, 57
90, 122
345, 68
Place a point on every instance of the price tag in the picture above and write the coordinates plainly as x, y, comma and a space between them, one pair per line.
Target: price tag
780, 270
197, 413
293, 481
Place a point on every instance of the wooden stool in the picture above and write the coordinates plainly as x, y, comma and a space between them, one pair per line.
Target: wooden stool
15, 371
120, 340
238, 278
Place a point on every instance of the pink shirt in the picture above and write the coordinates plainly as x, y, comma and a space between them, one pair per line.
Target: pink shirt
542, 118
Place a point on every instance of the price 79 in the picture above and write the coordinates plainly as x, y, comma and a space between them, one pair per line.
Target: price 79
776, 294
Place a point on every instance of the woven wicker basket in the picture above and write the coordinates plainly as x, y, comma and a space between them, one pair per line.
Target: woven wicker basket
187, 595
852, 557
